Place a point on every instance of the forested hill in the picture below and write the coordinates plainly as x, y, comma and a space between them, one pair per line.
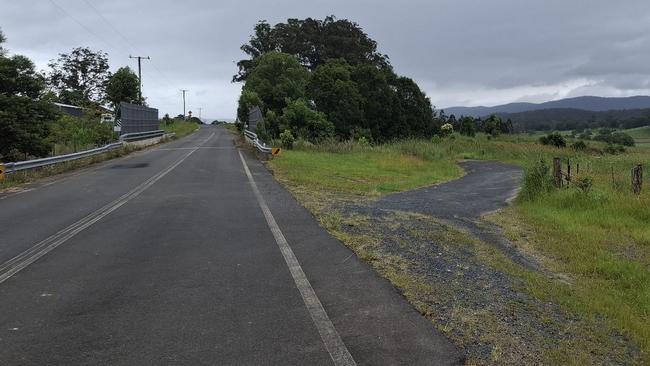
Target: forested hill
587, 103
571, 118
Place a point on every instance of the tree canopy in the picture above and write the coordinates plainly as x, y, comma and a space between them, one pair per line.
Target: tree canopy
332, 68
122, 87
24, 116
80, 77
313, 42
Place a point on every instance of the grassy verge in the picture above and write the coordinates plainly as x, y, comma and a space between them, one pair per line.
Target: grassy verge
231, 127
180, 128
599, 241
363, 170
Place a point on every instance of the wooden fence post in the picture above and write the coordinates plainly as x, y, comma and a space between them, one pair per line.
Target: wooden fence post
557, 172
637, 179
568, 170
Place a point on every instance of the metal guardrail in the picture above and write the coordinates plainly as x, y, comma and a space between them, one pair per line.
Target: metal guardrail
260, 145
135, 136
38, 163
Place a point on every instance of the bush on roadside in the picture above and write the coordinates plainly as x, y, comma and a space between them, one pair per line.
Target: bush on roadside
614, 149
537, 181
287, 140
446, 130
579, 146
553, 139
363, 141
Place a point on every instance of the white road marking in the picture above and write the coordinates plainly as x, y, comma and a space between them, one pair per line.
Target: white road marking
31, 255
95, 167
328, 333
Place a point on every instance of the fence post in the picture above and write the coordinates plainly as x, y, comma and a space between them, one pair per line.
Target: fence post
557, 172
568, 170
637, 179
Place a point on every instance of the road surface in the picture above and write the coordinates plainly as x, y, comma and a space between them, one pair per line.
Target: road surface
191, 254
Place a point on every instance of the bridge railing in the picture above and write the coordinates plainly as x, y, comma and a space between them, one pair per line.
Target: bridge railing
38, 163
259, 145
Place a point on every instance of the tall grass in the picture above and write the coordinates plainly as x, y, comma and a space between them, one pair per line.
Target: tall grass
180, 128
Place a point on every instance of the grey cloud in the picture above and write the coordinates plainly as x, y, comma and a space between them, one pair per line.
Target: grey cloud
463, 51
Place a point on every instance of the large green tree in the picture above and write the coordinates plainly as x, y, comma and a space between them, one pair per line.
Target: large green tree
335, 93
380, 103
278, 77
415, 111
329, 66
2, 40
80, 77
122, 86
24, 117
305, 122
313, 42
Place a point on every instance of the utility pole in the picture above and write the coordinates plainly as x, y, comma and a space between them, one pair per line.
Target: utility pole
140, 74
184, 90
200, 112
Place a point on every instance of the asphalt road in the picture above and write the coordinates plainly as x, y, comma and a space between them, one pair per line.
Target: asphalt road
189, 254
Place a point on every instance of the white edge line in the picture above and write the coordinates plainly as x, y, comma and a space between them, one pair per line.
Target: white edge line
335, 347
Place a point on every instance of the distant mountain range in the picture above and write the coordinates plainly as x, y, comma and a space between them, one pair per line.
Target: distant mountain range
587, 103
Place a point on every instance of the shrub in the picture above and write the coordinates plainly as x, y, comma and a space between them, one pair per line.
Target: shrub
579, 146
553, 139
612, 137
537, 181
363, 141
614, 149
446, 129
287, 140
306, 122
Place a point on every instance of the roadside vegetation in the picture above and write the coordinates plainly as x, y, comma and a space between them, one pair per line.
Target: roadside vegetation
178, 126
33, 126
352, 131
592, 234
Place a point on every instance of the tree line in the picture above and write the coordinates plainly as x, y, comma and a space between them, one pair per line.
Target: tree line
320, 79
32, 126
565, 119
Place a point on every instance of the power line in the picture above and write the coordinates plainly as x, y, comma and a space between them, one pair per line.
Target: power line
126, 40
109, 24
83, 26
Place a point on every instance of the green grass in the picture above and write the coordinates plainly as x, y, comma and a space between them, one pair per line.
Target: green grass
365, 171
599, 240
180, 128
641, 135
639, 132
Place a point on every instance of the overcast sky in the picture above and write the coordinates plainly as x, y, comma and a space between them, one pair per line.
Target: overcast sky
461, 52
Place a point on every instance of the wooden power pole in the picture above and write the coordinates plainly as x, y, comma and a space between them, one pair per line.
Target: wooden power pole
140, 75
